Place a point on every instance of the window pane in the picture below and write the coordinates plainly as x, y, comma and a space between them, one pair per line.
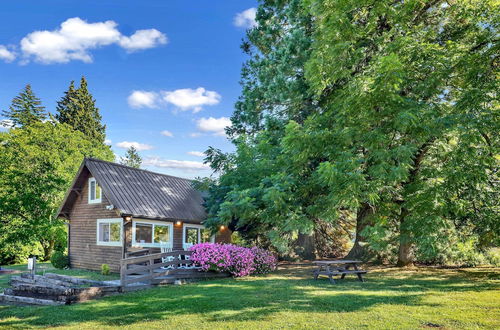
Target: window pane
97, 191
205, 235
115, 232
161, 234
104, 232
92, 190
191, 235
143, 233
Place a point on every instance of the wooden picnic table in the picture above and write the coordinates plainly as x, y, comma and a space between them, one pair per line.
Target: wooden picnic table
332, 268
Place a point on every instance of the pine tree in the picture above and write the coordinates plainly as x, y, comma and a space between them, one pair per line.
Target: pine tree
77, 108
26, 109
132, 158
65, 108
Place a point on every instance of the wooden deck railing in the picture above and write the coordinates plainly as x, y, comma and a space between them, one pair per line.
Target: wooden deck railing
144, 269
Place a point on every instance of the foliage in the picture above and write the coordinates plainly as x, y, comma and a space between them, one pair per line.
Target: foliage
26, 109
132, 158
236, 260
59, 260
77, 109
105, 270
287, 299
38, 163
380, 113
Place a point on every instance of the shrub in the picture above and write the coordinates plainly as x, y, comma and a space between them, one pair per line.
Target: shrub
237, 260
264, 261
105, 269
59, 260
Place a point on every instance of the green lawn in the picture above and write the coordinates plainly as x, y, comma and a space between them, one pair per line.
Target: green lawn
289, 298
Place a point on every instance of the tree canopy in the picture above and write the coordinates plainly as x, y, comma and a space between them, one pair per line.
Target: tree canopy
26, 109
132, 158
77, 109
380, 111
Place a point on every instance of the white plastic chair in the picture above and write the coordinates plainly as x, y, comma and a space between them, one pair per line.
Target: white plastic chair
164, 248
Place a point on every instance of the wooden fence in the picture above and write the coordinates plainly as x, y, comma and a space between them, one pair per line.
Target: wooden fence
150, 269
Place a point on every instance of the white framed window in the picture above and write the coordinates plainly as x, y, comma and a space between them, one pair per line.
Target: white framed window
109, 232
194, 234
149, 233
95, 193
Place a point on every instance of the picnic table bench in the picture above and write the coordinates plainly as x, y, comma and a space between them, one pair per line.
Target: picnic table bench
332, 268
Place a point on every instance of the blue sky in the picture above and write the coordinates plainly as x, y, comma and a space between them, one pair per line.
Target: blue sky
153, 67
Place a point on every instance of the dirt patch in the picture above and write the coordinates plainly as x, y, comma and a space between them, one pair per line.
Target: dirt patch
9, 271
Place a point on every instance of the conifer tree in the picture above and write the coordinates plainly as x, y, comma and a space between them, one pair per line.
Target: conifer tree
132, 158
77, 108
26, 109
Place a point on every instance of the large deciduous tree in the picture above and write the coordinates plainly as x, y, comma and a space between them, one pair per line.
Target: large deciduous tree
381, 111
38, 163
409, 98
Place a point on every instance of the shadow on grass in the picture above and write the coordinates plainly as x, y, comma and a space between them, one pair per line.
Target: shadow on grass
254, 298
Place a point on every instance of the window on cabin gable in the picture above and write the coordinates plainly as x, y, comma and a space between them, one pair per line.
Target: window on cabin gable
94, 191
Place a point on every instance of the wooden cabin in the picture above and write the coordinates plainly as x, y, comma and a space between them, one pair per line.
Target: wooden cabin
113, 210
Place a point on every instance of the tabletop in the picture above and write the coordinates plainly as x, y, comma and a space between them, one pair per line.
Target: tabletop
336, 262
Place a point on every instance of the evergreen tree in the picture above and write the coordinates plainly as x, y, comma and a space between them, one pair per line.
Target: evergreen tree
77, 108
26, 109
132, 158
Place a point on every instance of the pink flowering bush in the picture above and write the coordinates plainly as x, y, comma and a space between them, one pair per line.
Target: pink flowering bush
237, 260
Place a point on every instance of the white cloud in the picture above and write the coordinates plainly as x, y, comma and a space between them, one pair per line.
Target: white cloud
196, 153
213, 125
191, 99
137, 145
167, 133
175, 164
246, 18
76, 37
108, 142
6, 123
6, 54
183, 99
143, 99
143, 39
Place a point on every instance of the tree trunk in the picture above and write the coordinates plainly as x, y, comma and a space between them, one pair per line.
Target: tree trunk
405, 255
360, 248
306, 246
48, 247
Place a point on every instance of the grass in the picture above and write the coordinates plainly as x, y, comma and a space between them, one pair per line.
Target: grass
4, 278
290, 298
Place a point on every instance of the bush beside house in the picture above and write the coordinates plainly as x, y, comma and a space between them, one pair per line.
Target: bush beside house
236, 260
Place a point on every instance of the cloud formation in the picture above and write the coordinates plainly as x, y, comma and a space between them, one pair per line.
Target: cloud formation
142, 99
136, 145
246, 19
75, 38
213, 125
196, 153
6, 54
167, 133
175, 164
183, 99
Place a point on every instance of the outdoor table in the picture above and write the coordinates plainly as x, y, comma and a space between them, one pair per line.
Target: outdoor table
331, 268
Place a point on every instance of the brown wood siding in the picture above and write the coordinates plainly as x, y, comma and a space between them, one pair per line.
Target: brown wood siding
223, 236
83, 250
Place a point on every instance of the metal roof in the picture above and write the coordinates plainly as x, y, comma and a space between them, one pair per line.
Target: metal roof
146, 194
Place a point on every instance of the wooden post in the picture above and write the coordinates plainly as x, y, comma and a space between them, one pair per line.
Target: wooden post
123, 268
151, 271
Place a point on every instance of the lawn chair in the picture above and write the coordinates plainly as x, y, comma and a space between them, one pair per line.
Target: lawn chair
164, 248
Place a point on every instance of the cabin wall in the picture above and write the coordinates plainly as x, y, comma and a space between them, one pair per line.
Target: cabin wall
83, 250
